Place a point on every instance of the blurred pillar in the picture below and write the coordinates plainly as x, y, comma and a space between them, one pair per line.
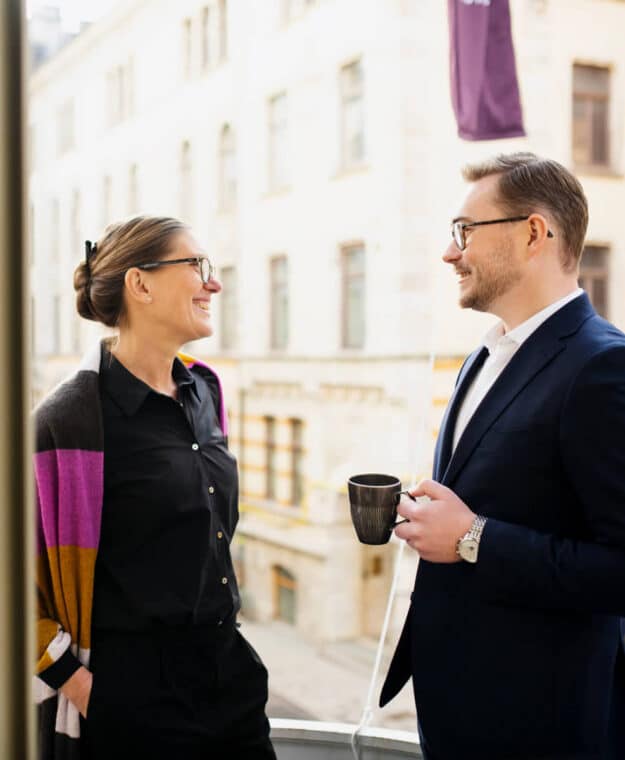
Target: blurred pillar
16, 529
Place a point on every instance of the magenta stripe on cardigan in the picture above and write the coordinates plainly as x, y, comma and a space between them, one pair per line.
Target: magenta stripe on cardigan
71, 478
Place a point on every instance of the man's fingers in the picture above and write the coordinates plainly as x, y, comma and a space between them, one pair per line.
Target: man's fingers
407, 508
430, 488
407, 531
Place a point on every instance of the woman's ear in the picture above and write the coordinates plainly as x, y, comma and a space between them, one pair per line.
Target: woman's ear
137, 284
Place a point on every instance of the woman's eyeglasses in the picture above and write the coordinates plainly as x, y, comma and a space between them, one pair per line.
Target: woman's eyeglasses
203, 263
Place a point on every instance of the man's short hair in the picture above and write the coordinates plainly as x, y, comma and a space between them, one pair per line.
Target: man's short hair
530, 184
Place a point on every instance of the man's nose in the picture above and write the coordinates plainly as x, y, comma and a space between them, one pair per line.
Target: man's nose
452, 253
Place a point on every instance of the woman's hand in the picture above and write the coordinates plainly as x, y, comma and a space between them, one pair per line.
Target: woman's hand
77, 689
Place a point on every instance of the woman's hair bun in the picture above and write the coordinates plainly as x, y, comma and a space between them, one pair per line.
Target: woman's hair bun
82, 286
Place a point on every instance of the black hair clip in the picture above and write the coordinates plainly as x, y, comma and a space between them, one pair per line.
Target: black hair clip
90, 252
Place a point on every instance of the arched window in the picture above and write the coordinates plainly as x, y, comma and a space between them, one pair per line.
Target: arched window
227, 169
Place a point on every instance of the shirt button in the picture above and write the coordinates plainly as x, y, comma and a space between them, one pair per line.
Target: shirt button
195, 447
224, 581
211, 489
180, 403
220, 534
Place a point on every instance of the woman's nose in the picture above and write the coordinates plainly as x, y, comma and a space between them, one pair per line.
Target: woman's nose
214, 285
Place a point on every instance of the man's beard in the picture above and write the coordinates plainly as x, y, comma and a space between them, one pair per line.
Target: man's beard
491, 282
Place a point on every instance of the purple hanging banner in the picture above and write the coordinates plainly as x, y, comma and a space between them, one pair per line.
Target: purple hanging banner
484, 87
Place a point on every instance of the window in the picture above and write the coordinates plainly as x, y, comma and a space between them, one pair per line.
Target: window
112, 98
352, 115
133, 189
55, 234
227, 170
223, 30
65, 128
353, 286
285, 590
120, 92
77, 248
56, 324
228, 306
297, 480
187, 37
206, 38
128, 73
186, 181
591, 115
594, 276
279, 300
107, 200
278, 175
76, 241
294, 8
270, 458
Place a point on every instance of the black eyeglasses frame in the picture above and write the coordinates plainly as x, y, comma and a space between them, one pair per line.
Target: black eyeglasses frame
458, 228
203, 263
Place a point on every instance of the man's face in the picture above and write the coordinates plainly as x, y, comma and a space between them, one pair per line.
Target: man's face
489, 266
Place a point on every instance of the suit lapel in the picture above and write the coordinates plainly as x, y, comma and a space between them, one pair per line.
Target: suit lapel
531, 358
444, 442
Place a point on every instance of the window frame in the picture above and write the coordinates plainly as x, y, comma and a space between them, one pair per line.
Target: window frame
347, 98
588, 98
347, 278
278, 331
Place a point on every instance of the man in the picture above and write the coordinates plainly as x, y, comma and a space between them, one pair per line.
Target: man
512, 638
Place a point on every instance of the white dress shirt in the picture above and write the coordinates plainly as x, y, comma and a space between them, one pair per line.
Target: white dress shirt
501, 347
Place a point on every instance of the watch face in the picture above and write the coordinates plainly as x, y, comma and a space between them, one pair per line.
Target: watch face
467, 549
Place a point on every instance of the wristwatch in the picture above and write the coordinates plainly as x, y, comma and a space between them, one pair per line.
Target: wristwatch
468, 546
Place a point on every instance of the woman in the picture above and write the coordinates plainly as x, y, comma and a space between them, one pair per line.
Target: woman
139, 650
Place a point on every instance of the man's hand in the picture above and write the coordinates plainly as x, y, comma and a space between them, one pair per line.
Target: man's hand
77, 689
436, 525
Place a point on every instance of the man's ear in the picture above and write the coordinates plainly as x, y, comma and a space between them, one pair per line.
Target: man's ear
539, 231
138, 285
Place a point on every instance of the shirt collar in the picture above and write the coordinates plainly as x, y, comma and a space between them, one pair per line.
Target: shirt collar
127, 390
497, 336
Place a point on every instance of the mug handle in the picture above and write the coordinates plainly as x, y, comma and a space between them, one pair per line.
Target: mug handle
397, 498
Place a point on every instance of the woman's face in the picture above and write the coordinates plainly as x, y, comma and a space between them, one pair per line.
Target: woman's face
180, 303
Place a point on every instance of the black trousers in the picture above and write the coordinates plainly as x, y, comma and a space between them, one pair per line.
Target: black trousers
186, 693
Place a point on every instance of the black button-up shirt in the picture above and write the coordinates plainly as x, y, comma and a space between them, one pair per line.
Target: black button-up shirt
170, 504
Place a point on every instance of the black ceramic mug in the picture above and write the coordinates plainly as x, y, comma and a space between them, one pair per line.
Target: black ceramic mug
373, 500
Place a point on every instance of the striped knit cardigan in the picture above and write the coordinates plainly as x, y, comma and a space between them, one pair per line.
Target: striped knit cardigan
69, 467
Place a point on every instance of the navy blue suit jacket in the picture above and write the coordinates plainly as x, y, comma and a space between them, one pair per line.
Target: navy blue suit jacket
517, 655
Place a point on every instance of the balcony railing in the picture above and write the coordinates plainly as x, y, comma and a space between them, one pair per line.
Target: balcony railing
313, 740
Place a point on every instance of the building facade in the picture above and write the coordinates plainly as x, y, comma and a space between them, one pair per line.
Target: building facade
311, 145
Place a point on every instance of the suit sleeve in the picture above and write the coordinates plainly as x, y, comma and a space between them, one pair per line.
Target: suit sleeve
533, 569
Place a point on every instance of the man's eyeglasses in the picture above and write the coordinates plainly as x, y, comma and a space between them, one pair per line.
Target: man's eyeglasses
459, 235
203, 263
